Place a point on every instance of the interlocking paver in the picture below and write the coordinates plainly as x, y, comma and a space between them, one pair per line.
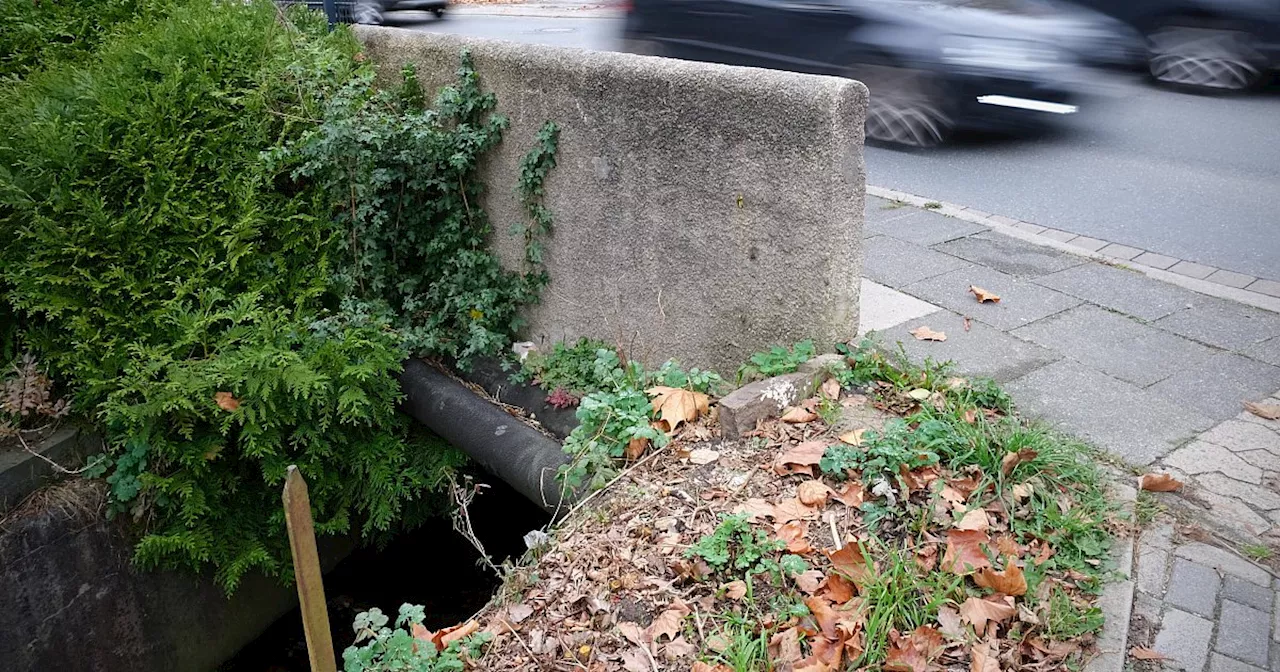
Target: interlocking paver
1184, 638
1243, 633
1233, 512
980, 351
897, 263
1116, 344
1129, 292
1239, 435
1152, 566
1217, 385
1129, 421
1009, 255
1246, 592
1221, 663
1223, 323
1224, 561
1022, 301
925, 228
1193, 587
1200, 457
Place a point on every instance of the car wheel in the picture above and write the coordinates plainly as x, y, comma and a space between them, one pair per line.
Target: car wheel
906, 106
1204, 58
367, 12
439, 13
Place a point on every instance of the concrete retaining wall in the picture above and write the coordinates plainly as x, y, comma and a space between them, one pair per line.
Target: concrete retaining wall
703, 212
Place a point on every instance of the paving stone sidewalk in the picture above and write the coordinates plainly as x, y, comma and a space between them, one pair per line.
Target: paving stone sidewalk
1154, 373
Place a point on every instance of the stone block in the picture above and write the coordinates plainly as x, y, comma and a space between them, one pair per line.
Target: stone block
1231, 279
881, 307
1153, 565
1118, 345
1121, 290
1009, 255
667, 164
1216, 386
1021, 301
1200, 457
1226, 324
897, 263
926, 228
1244, 633
1268, 287
742, 408
1192, 270
1091, 244
1262, 459
1245, 592
1242, 435
1058, 235
1224, 561
980, 351
1116, 416
1118, 251
1193, 587
1185, 639
1154, 260
1116, 603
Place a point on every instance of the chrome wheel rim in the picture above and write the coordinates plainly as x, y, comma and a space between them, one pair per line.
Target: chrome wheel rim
904, 108
1204, 58
367, 13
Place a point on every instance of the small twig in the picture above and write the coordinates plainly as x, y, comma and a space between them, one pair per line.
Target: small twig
835, 532
625, 472
697, 620
461, 519
652, 662
55, 465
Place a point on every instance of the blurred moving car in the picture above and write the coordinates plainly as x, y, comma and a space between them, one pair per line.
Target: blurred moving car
372, 11
1203, 44
932, 66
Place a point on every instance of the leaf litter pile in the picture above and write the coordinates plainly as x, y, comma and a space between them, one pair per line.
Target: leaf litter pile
901, 519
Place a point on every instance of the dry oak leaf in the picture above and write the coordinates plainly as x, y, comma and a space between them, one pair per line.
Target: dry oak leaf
1011, 581
675, 405
964, 551
852, 494
226, 401
979, 612
814, 493
923, 333
800, 459
448, 636
803, 413
679, 648
1159, 483
1143, 653
785, 646
915, 652
983, 295
635, 448
735, 590
983, 657
837, 589
793, 509
809, 581
949, 619
1263, 410
824, 615
1013, 459
975, 521
668, 622
519, 612
756, 509
793, 534
850, 562
854, 437
635, 660
830, 388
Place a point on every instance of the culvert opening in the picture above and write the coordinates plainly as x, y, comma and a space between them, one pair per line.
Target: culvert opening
432, 566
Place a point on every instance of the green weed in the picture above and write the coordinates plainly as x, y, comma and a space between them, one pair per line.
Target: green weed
897, 596
1257, 552
776, 361
736, 547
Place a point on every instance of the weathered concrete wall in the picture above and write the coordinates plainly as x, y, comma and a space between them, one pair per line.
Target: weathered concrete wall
702, 212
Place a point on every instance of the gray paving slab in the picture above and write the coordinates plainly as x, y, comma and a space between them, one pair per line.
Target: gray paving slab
1184, 638
1120, 251
1224, 561
1221, 663
1241, 434
1264, 286
1155, 260
897, 263
981, 351
1218, 385
1192, 270
1116, 344
1244, 633
1246, 592
881, 307
1267, 351
1153, 564
1128, 292
1021, 301
1193, 587
1117, 416
1231, 279
1009, 255
1226, 324
1202, 457
883, 210
1091, 244
925, 228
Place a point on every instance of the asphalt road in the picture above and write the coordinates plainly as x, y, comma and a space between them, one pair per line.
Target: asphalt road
1194, 177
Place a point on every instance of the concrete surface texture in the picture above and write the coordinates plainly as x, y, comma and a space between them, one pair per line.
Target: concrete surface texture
702, 212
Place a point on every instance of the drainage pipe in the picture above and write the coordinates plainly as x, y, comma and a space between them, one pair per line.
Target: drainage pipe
503, 444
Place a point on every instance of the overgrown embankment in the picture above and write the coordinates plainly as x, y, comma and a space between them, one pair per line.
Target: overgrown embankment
224, 240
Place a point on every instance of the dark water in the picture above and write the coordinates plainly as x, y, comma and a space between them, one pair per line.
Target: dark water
432, 566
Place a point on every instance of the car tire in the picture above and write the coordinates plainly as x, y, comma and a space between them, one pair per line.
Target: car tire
367, 12
1204, 57
439, 13
907, 107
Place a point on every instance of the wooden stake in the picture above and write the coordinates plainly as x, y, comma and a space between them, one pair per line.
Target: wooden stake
306, 570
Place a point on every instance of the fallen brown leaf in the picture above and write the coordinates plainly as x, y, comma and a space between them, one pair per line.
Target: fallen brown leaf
1022, 491
793, 509
794, 535
1263, 410
635, 448
668, 622
978, 612
975, 521
913, 653
702, 456
632, 632
854, 437
1010, 581
785, 645
675, 405
852, 494
824, 615
970, 416
964, 551
800, 459
735, 590
799, 414
830, 388
448, 636
809, 581
635, 660
850, 562
983, 295
923, 333
700, 666
1159, 483
814, 493
983, 657
1143, 653
519, 612
949, 619
1013, 459
756, 509
967, 322
837, 589
226, 401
